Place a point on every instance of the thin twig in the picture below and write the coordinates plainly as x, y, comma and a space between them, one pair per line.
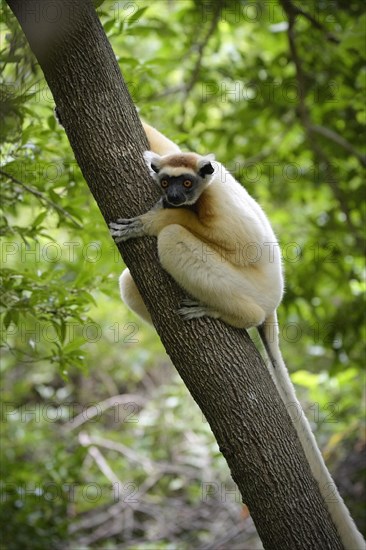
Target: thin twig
200, 48
340, 140
102, 406
172, 90
328, 35
41, 196
99, 459
149, 465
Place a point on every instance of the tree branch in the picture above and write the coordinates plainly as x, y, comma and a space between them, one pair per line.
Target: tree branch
201, 46
41, 197
310, 129
339, 140
299, 11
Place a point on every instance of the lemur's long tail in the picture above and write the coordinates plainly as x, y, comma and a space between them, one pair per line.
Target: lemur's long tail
158, 142
348, 532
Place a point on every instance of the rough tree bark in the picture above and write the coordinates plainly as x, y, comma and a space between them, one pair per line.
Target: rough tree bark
220, 365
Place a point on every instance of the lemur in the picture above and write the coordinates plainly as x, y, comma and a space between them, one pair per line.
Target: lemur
215, 240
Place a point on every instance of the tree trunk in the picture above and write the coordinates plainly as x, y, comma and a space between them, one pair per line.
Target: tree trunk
219, 364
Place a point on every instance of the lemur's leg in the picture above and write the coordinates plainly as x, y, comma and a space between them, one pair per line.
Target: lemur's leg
131, 296
203, 273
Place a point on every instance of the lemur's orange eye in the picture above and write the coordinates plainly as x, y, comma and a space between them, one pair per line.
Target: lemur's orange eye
164, 184
187, 184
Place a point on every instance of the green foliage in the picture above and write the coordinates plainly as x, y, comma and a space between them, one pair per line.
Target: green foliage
214, 79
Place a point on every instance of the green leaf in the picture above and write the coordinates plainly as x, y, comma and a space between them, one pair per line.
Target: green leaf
136, 15
39, 219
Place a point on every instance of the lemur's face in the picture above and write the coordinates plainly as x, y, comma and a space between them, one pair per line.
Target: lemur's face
182, 189
181, 177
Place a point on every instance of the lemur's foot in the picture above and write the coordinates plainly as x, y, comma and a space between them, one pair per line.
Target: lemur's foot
126, 228
192, 309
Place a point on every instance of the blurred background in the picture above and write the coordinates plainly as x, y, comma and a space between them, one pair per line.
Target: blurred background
102, 446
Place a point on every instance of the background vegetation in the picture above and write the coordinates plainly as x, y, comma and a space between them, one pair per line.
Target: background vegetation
102, 444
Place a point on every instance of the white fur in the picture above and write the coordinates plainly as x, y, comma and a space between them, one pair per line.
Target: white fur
175, 170
239, 277
349, 534
159, 143
131, 296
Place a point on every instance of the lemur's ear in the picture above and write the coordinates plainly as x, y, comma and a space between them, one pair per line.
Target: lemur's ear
56, 112
152, 161
204, 165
